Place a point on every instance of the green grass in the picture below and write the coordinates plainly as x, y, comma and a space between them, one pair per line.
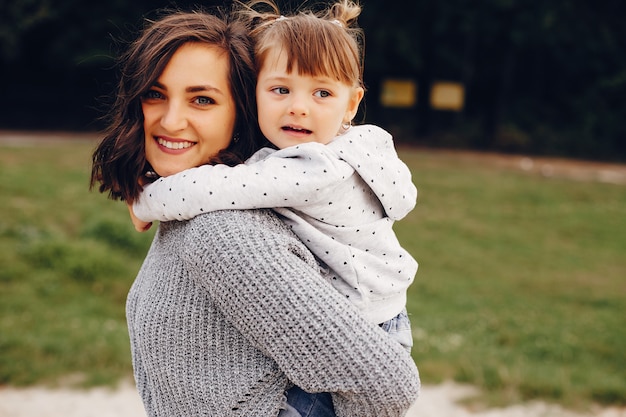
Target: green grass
521, 288
68, 257
522, 282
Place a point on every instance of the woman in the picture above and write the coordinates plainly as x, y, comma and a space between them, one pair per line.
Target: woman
229, 310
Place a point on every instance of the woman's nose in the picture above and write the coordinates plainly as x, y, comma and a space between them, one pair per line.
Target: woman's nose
174, 118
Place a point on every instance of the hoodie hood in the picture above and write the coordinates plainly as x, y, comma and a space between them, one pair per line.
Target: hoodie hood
375, 159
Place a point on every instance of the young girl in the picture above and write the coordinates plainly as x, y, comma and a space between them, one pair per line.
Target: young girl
339, 187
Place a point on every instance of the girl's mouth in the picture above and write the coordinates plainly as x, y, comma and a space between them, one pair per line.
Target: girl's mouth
296, 130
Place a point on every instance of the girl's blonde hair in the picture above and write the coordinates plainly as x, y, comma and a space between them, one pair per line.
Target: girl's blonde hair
324, 43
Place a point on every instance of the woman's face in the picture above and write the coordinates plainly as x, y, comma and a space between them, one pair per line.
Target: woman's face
189, 113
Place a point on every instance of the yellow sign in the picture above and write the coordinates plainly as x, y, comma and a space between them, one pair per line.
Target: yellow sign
447, 95
398, 93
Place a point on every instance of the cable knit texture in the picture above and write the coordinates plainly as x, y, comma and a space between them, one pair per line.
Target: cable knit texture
229, 309
341, 199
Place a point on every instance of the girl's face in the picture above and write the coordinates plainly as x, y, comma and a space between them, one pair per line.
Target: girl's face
296, 108
189, 113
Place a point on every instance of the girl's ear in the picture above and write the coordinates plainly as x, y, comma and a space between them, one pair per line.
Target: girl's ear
353, 104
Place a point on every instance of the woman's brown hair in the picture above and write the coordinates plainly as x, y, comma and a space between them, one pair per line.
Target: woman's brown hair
119, 161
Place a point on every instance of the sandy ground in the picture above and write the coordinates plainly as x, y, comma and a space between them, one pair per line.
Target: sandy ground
435, 401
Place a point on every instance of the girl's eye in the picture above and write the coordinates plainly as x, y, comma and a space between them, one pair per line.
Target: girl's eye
322, 93
281, 90
203, 101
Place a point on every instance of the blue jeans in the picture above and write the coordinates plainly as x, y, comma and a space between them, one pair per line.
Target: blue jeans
399, 329
304, 404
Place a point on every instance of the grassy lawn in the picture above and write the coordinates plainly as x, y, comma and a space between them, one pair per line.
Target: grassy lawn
521, 288
68, 258
522, 281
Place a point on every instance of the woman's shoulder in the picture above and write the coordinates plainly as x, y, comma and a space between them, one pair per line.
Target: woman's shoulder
239, 227
255, 233
229, 222
244, 219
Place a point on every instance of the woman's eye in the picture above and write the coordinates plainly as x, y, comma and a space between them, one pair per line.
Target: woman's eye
203, 101
152, 95
281, 90
322, 93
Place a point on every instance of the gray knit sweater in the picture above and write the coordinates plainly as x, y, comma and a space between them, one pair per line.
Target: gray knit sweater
228, 310
341, 199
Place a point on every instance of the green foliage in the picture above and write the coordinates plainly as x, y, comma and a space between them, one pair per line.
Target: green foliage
542, 77
551, 70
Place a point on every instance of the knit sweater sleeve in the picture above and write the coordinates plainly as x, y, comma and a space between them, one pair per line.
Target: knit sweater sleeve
268, 286
290, 177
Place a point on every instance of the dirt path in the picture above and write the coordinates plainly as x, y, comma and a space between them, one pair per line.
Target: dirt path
547, 167
435, 401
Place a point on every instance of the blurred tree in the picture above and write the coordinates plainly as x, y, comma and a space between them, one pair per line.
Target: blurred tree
63, 50
541, 76
16, 18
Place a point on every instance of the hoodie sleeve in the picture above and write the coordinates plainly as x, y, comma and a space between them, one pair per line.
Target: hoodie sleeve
289, 177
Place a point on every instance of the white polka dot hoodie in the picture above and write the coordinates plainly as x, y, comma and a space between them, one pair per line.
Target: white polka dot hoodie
341, 199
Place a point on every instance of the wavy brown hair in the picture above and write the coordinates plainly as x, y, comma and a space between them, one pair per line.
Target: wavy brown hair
119, 161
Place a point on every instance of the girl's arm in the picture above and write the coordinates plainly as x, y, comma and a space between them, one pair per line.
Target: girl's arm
286, 178
275, 296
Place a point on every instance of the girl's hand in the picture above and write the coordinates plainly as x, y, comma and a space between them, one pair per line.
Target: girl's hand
140, 225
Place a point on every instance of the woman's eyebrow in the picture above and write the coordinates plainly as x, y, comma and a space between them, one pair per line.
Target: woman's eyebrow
202, 88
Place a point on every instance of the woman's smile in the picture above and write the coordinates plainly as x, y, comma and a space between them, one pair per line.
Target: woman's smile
174, 144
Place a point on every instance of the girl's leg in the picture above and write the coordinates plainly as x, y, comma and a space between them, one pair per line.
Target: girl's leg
399, 329
303, 404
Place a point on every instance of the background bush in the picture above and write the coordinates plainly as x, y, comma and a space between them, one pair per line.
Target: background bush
541, 77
